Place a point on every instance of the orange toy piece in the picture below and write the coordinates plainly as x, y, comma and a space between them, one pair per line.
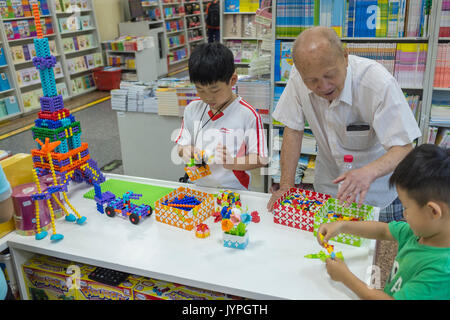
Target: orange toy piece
37, 20
181, 205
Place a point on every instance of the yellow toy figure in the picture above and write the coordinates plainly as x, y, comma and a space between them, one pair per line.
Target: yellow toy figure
47, 149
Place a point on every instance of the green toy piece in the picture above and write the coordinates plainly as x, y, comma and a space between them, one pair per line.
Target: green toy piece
323, 256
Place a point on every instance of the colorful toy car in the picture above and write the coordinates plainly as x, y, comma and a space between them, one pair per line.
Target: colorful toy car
122, 205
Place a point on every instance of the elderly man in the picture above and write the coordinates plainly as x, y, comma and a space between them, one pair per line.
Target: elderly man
353, 106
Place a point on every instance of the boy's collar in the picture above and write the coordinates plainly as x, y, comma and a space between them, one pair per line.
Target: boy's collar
214, 117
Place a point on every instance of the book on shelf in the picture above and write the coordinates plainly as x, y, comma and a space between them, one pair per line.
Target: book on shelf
355, 18
2, 57
283, 60
232, 6
4, 82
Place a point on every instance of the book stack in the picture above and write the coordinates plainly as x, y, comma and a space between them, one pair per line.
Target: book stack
415, 104
442, 69
84, 63
186, 92
440, 113
119, 99
410, 61
30, 76
444, 30
83, 42
31, 98
26, 52
23, 29
167, 102
81, 84
177, 55
243, 50
10, 9
355, 18
75, 23
384, 53
129, 43
257, 94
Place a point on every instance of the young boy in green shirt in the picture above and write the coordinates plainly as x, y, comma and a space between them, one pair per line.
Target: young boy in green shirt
421, 268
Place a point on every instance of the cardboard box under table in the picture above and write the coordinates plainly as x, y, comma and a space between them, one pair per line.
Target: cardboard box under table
182, 218
293, 215
365, 213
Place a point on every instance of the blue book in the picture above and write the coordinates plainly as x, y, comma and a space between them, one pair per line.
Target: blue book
4, 82
11, 104
351, 19
366, 13
338, 16
2, 58
277, 71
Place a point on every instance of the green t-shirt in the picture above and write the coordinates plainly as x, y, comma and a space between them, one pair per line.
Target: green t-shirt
420, 272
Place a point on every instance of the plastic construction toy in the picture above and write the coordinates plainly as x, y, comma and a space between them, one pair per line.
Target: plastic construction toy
183, 202
184, 217
297, 207
235, 228
121, 205
63, 153
198, 167
71, 158
50, 193
227, 200
340, 217
322, 255
202, 231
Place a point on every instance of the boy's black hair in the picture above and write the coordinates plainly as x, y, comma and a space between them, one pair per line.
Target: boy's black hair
424, 174
210, 63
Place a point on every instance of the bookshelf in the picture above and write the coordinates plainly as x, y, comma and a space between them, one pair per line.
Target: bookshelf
239, 32
183, 24
17, 32
436, 113
426, 41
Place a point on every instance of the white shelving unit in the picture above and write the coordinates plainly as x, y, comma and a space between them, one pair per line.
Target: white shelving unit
16, 64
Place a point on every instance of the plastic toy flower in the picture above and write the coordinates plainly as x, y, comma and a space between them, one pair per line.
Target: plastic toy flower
227, 225
255, 217
246, 218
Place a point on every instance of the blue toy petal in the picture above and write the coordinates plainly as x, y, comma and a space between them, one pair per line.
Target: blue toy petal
81, 220
56, 237
71, 218
246, 218
41, 235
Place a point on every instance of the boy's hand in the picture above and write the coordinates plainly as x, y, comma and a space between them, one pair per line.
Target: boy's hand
188, 153
329, 230
337, 269
223, 156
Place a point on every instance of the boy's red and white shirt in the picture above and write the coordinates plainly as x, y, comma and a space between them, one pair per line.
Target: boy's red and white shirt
239, 127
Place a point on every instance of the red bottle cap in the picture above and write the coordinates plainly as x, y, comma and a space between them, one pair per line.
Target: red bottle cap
348, 158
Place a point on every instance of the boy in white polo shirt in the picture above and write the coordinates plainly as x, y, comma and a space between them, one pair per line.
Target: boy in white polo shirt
221, 123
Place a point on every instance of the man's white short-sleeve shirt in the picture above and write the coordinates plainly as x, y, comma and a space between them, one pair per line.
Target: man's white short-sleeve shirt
372, 96
238, 127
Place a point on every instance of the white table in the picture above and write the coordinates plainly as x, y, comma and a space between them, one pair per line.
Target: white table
271, 267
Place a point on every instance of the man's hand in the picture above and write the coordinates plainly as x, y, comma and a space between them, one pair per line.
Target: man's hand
275, 196
355, 185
